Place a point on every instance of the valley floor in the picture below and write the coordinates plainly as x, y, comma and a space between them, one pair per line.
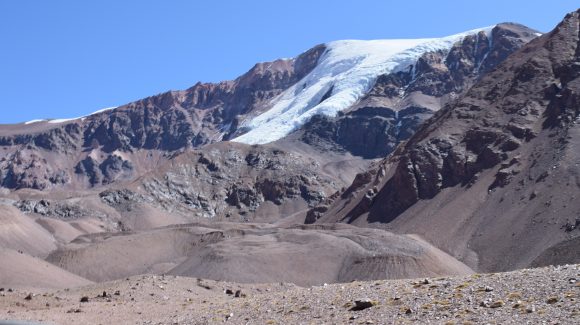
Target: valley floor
533, 296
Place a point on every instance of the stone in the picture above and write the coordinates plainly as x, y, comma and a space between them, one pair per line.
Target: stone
552, 300
497, 304
362, 304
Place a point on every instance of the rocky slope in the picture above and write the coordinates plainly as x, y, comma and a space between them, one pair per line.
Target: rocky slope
236, 182
492, 178
535, 296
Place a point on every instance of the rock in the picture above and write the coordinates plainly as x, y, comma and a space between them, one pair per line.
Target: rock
117, 293
228, 292
552, 300
497, 304
363, 304
408, 311
203, 285
84, 299
28, 297
58, 210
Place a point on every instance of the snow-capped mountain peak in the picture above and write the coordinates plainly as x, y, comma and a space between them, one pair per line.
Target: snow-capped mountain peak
345, 73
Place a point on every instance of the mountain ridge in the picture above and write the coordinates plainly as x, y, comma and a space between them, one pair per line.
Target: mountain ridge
491, 177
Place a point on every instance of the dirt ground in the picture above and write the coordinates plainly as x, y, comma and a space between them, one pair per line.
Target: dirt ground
531, 296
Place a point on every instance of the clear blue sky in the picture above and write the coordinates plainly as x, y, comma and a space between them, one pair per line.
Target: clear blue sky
69, 58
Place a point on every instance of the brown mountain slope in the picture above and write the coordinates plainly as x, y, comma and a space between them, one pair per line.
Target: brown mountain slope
493, 178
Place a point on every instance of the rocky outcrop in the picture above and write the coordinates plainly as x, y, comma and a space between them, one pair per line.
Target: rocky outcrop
237, 181
26, 169
400, 102
105, 172
62, 139
58, 210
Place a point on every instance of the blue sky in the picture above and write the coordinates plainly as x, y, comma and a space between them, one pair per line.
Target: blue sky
69, 58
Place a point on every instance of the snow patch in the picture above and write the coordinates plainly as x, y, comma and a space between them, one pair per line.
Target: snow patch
62, 120
348, 69
82, 118
103, 110
33, 121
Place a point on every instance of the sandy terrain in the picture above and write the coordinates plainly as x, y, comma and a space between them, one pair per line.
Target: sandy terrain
21, 271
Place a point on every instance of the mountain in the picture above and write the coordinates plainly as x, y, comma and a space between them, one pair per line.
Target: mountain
492, 178
361, 97
177, 182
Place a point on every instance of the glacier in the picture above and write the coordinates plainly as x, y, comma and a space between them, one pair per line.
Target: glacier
346, 71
